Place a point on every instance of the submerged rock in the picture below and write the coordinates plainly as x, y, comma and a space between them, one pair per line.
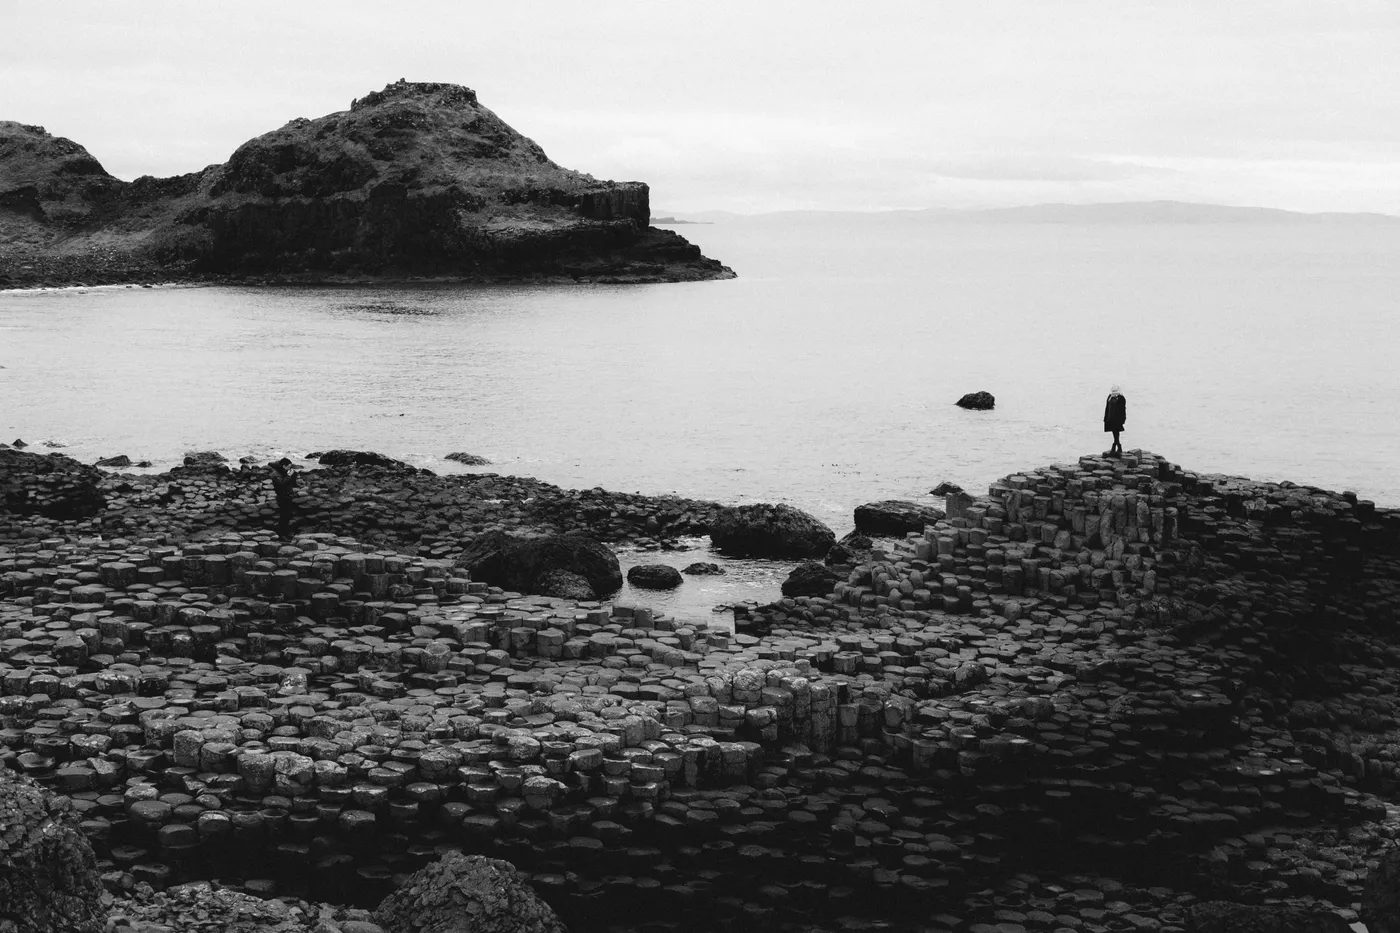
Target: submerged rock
977, 401
702, 567
809, 579
467, 459
655, 576
520, 563
763, 530
48, 873
467, 894
895, 517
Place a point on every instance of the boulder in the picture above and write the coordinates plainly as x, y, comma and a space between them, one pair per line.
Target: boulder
809, 579
121, 460
199, 458
655, 577
1226, 917
702, 567
762, 530
518, 563
466, 894
564, 585
354, 458
895, 517
52, 486
978, 401
467, 459
943, 489
1380, 900
48, 873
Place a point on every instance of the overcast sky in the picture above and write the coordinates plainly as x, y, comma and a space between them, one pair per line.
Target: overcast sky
754, 106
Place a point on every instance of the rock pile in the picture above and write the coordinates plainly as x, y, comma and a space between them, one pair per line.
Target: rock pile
466, 894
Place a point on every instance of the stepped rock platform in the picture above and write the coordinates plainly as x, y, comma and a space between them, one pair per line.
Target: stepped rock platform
1092, 699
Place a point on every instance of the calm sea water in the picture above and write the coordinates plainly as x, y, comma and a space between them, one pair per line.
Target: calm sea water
823, 376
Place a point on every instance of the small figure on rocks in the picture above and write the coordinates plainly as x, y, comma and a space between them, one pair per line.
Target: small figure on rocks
284, 483
1115, 413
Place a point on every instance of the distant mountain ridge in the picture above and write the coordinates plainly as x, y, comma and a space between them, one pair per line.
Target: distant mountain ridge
414, 180
1119, 212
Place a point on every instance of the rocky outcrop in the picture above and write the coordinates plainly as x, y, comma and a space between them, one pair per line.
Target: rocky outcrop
354, 458
809, 579
945, 488
467, 894
467, 459
1225, 917
978, 401
413, 180
121, 460
53, 486
655, 577
48, 873
762, 530
521, 563
894, 517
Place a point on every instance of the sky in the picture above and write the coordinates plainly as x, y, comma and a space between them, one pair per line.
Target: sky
759, 106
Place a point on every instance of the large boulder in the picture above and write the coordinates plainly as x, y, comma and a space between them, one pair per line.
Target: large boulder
467, 459
809, 579
763, 530
466, 894
563, 584
978, 401
655, 577
1226, 917
518, 563
895, 517
48, 874
53, 486
353, 458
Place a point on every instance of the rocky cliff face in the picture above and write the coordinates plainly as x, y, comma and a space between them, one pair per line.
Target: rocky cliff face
417, 179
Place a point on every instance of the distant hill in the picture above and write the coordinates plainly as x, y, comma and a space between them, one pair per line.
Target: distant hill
413, 180
1127, 212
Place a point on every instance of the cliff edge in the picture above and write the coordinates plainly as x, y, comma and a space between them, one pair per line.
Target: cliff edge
414, 180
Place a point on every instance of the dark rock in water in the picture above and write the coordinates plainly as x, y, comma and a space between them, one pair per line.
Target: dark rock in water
942, 489
655, 576
809, 579
353, 458
121, 460
978, 401
763, 530
48, 873
895, 517
19, 444
205, 458
1380, 900
1225, 917
53, 486
564, 585
143, 463
518, 563
54, 445
701, 567
467, 894
467, 459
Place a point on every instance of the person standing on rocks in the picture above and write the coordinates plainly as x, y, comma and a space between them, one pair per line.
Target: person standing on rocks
1115, 413
284, 483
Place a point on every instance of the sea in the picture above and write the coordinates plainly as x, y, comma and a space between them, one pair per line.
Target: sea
823, 376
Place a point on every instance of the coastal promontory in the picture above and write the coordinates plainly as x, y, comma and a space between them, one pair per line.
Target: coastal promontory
416, 180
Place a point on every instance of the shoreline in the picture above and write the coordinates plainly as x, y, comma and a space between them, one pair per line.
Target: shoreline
1108, 676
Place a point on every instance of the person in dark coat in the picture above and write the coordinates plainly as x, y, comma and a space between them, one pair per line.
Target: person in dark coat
1115, 413
284, 484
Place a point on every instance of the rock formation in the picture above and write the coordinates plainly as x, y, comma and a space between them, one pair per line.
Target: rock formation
978, 401
655, 577
467, 459
48, 874
518, 563
1225, 917
894, 517
413, 180
53, 485
353, 458
763, 530
809, 579
467, 894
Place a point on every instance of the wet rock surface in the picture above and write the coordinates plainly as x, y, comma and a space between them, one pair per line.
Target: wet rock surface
467, 459
763, 530
977, 401
466, 894
655, 576
1093, 698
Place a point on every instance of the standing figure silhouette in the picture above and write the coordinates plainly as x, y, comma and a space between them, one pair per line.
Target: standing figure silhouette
1115, 413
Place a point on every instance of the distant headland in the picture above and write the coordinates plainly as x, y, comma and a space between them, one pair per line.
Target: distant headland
416, 180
